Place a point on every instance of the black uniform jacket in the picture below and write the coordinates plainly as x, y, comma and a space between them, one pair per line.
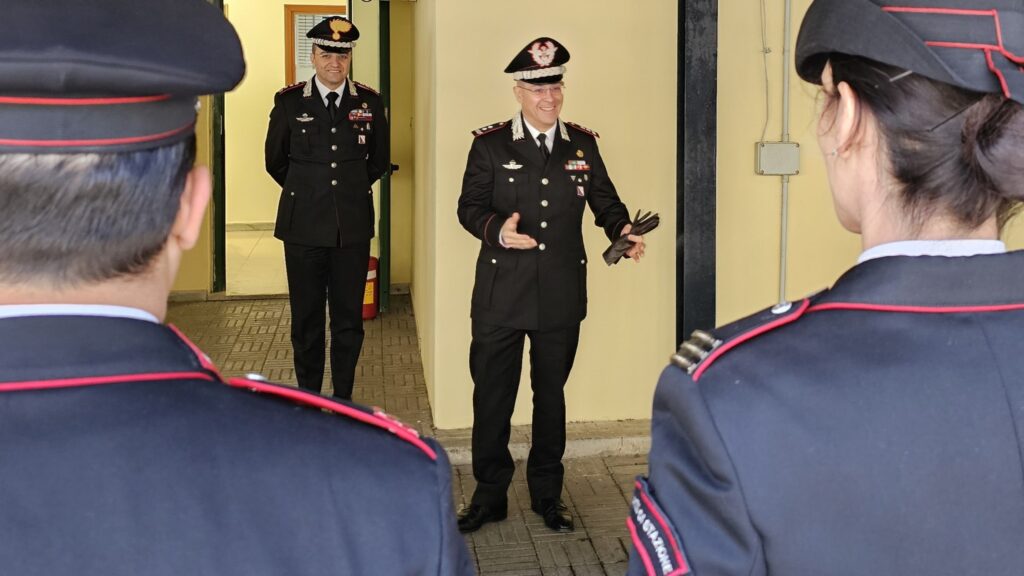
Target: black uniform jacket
326, 169
875, 428
123, 453
546, 287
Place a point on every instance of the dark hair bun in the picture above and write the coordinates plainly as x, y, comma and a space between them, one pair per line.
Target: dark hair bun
993, 145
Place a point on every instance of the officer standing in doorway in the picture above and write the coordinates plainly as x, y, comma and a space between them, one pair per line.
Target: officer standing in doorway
526, 184
327, 143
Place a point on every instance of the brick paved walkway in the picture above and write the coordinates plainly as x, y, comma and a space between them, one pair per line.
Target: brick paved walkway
247, 336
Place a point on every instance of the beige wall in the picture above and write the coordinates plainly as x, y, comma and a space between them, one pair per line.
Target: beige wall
749, 205
623, 87
402, 140
197, 264
424, 275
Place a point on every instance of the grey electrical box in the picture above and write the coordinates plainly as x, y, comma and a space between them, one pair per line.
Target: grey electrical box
777, 158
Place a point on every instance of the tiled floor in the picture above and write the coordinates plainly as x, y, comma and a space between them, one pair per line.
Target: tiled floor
254, 263
244, 336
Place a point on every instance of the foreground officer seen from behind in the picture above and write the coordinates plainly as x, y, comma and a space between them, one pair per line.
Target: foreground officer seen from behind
122, 450
327, 143
875, 428
526, 185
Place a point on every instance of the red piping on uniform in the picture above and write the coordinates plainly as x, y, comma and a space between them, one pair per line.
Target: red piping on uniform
994, 14
752, 334
486, 224
204, 360
638, 545
97, 380
680, 559
915, 309
328, 404
949, 11
95, 142
83, 101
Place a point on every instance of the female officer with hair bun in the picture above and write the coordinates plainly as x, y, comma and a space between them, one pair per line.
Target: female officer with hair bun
877, 427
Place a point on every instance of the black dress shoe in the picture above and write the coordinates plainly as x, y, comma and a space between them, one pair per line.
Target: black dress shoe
556, 515
472, 518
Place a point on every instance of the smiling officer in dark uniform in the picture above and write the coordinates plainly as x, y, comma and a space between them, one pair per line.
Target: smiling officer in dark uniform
123, 452
876, 427
524, 192
327, 143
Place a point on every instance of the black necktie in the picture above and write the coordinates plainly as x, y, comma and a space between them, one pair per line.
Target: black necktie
332, 104
542, 139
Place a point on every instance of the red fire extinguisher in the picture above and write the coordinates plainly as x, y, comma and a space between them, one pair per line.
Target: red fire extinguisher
372, 293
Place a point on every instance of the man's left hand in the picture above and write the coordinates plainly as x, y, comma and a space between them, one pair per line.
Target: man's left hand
637, 251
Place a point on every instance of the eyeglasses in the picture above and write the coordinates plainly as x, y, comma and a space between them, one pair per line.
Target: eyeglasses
551, 89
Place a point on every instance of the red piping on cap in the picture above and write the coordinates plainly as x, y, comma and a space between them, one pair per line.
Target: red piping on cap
318, 401
95, 142
915, 309
83, 101
997, 72
94, 381
987, 48
792, 317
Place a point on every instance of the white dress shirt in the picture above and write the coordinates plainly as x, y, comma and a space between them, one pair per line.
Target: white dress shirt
949, 248
324, 90
21, 310
550, 142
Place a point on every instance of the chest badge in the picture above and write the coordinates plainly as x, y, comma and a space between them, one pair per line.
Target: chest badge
362, 138
579, 153
577, 166
358, 115
304, 118
512, 165
365, 105
579, 191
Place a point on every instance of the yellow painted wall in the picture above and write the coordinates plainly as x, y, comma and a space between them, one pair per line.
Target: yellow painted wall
622, 85
424, 229
749, 205
196, 266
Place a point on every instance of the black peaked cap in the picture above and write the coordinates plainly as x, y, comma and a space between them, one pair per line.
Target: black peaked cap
976, 46
109, 75
542, 61
334, 34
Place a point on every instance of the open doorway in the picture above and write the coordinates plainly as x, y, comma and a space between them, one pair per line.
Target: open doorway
249, 260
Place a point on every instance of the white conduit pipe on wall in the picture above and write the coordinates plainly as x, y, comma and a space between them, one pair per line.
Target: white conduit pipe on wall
784, 232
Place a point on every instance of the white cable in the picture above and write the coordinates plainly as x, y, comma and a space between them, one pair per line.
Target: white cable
765, 51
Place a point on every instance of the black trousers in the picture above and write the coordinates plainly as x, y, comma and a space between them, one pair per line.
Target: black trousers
495, 362
320, 276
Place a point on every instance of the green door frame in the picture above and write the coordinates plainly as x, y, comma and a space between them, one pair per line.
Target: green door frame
384, 242
218, 281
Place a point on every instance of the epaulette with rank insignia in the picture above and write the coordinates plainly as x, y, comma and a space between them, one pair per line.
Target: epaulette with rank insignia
583, 129
292, 87
367, 88
703, 347
375, 417
489, 128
